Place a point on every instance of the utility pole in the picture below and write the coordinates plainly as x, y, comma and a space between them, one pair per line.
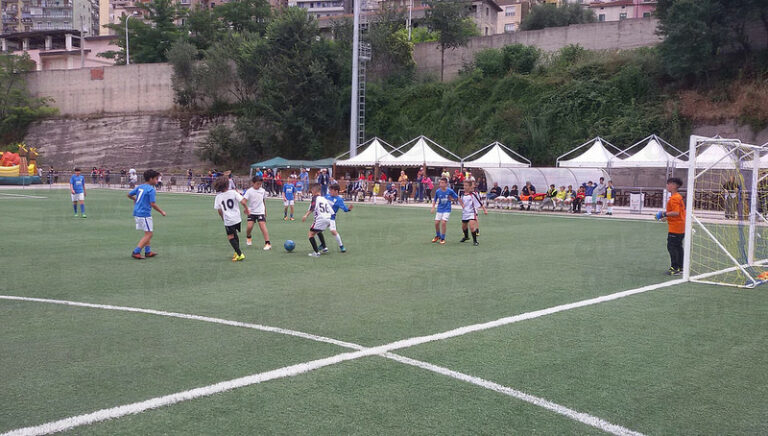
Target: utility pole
127, 46
354, 109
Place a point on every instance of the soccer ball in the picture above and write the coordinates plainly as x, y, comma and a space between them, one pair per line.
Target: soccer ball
289, 245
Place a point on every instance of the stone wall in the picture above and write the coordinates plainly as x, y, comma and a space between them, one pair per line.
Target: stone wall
122, 141
626, 34
140, 88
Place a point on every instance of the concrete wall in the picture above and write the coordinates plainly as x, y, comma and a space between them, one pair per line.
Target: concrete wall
626, 34
141, 88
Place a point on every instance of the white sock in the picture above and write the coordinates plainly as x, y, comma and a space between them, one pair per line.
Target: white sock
338, 239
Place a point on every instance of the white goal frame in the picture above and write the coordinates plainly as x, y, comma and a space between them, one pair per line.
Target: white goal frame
755, 218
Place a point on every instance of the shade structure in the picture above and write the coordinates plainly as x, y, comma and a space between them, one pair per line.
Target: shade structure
371, 156
652, 155
596, 156
496, 157
716, 156
279, 162
541, 178
420, 154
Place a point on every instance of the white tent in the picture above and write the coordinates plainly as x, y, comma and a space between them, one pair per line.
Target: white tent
496, 157
596, 156
652, 155
371, 156
541, 178
421, 154
716, 156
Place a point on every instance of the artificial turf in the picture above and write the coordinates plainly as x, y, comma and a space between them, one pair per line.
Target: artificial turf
391, 284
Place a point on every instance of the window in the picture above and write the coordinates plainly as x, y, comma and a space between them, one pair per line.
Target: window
510, 11
646, 15
509, 27
601, 18
487, 12
622, 16
486, 31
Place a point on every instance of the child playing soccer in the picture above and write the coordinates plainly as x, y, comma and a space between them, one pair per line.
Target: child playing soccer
289, 189
77, 191
470, 202
442, 201
336, 203
675, 215
143, 197
610, 196
226, 203
258, 211
323, 210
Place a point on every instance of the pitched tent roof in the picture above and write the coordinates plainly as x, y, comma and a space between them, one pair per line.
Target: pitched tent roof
596, 156
420, 154
279, 162
652, 155
374, 153
496, 157
715, 156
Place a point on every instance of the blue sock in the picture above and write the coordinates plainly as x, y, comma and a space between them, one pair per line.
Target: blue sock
82, 208
437, 234
442, 236
74, 206
146, 249
137, 250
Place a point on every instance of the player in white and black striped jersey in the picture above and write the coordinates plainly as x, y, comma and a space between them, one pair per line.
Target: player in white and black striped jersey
323, 210
470, 205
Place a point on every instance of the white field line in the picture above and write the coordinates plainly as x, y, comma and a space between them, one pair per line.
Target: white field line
289, 371
5, 194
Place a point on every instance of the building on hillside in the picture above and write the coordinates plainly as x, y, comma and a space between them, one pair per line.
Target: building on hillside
617, 10
512, 14
320, 8
41, 15
485, 14
59, 49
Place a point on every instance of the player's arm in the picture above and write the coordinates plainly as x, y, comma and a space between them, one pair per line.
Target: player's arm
311, 209
221, 214
72, 187
157, 208
131, 194
244, 202
344, 207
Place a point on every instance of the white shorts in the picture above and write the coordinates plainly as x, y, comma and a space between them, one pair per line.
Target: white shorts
321, 224
588, 199
144, 223
468, 216
442, 216
332, 226
609, 201
78, 197
287, 202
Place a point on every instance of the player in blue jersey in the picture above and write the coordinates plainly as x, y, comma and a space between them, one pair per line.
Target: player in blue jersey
442, 202
337, 203
289, 191
143, 197
77, 191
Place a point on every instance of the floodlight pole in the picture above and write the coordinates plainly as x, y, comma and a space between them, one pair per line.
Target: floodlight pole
354, 112
127, 45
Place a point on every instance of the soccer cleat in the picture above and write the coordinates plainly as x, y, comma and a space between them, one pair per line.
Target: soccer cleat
442, 242
313, 254
464, 239
84, 216
240, 257
136, 256
323, 249
435, 239
267, 247
234, 257
74, 216
150, 254
342, 249
293, 219
677, 272
475, 244
285, 218
249, 242
670, 271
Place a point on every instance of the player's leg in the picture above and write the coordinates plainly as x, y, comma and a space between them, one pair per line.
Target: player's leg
74, 206
437, 229
234, 240
321, 237
464, 228
474, 228
311, 235
265, 233
444, 228
82, 207
291, 206
248, 232
335, 233
285, 211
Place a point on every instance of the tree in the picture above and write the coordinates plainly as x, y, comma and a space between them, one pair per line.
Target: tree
550, 15
450, 19
245, 15
149, 40
391, 51
17, 108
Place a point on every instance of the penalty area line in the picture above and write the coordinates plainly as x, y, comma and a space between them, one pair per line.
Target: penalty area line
8, 196
293, 370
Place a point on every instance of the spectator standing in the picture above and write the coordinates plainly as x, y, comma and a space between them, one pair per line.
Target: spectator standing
589, 190
107, 176
428, 187
598, 196
323, 179
402, 181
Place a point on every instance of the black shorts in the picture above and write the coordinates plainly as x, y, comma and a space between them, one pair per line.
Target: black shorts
231, 230
466, 221
260, 218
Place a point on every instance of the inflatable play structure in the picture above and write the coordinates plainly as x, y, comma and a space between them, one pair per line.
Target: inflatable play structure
19, 168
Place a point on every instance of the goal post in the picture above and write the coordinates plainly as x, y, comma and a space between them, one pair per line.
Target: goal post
726, 240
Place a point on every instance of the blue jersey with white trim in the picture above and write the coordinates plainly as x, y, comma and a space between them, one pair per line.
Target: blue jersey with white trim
443, 199
288, 190
337, 203
78, 183
145, 196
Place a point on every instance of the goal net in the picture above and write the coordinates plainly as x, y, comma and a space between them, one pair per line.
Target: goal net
727, 197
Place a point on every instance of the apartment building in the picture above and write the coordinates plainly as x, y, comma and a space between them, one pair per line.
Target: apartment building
42, 15
512, 14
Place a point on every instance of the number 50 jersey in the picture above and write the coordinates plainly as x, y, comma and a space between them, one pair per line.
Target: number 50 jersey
322, 207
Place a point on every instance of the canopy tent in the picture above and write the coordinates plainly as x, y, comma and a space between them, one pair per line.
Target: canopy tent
496, 157
716, 156
596, 156
371, 156
541, 178
421, 154
279, 162
652, 155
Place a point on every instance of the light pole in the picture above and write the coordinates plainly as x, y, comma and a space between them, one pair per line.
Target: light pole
354, 109
127, 46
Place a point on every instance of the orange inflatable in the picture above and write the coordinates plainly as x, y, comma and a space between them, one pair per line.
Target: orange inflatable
9, 159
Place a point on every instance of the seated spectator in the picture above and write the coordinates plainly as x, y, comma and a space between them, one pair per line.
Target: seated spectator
549, 198
390, 194
569, 195
528, 193
578, 199
500, 202
494, 192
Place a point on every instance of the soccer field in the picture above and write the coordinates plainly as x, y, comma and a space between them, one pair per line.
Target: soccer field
396, 336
